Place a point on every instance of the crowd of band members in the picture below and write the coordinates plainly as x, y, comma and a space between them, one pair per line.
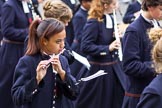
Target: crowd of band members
89, 29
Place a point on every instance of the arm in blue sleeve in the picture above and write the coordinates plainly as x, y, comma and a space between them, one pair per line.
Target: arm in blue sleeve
132, 63
8, 27
68, 87
89, 40
24, 85
149, 101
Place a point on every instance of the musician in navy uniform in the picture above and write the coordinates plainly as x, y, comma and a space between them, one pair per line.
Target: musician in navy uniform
60, 11
132, 12
42, 76
136, 52
15, 20
152, 96
100, 46
79, 20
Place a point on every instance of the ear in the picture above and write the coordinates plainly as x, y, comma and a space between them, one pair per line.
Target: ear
150, 8
44, 41
105, 6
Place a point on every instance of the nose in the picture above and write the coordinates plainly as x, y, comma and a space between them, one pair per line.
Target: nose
66, 24
62, 45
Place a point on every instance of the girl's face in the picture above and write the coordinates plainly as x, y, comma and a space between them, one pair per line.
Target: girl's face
55, 44
109, 8
155, 12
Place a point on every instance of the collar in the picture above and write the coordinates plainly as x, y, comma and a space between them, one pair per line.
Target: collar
139, 1
83, 8
109, 23
153, 21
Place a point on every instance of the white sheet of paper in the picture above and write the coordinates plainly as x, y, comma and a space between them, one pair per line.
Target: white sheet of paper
72, 1
25, 7
97, 74
81, 59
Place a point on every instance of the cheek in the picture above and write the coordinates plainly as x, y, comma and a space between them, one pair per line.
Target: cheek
53, 47
158, 15
153, 14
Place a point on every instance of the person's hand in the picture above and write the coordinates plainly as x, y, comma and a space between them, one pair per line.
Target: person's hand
41, 70
57, 66
114, 45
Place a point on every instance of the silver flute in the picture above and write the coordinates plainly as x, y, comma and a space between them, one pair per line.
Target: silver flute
117, 35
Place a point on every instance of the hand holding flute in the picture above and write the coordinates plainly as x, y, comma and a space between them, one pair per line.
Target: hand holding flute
115, 45
44, 64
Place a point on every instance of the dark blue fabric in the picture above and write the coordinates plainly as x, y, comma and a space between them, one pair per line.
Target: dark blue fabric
25, 83
152, 96
1, 3
72, 6
137, 59
129, 14
15, 28
79, 20
105, 91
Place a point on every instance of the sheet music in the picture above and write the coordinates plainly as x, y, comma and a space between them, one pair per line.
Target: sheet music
97, 74
25, 7
81, 59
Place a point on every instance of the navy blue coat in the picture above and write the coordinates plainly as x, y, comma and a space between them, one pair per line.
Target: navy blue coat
152, 95
15, 25
79, 20
105, 91
129, 14
1, 3
72, 6
27, 94
137, 60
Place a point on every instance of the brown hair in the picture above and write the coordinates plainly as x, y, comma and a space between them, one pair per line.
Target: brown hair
155, 34
157, 56
150, 3
97, 9
42, 29
57, 9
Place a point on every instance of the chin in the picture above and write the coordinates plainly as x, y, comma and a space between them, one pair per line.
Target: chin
57, 52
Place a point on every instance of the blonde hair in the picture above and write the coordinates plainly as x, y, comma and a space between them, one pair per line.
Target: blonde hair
157, 56
57, 9
97, 9
155, 34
